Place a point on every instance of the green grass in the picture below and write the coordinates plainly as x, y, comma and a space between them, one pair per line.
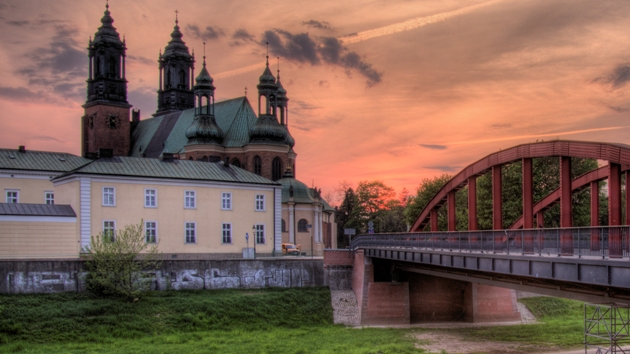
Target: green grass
561, 325
225, 321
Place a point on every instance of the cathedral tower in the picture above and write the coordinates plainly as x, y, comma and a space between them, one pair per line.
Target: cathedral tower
106, 124
177, 68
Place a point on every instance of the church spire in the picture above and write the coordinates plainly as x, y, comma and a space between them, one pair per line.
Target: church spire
176, 67
204, 129
106, 74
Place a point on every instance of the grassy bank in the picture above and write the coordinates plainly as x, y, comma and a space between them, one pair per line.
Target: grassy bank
226, 321
561, 324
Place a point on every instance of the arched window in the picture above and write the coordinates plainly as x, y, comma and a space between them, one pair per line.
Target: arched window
302, 225
257, 165
284, 226
112, 67
276, 168
236, 162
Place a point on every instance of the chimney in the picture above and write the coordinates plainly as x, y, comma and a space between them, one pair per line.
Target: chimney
135, 116
168, 157
22, 148
105, 153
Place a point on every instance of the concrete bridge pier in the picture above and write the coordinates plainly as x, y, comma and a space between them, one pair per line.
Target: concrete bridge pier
388, 297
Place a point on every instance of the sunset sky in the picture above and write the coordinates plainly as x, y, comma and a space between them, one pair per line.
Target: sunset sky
395, 90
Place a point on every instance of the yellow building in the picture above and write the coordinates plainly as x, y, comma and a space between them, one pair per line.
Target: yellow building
191, 209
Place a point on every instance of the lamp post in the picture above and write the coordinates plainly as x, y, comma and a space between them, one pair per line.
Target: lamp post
247, 241
255, 233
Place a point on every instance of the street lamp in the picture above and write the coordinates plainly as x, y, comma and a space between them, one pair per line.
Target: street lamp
255, 233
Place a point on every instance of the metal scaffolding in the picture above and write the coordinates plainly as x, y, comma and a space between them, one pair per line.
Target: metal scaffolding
606, 328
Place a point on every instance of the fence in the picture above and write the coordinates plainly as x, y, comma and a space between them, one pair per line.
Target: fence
599, 241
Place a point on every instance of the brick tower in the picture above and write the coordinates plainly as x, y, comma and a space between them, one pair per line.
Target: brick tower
106, 124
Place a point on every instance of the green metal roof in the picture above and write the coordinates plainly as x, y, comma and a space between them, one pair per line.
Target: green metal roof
40, 160
156, 135
176, 169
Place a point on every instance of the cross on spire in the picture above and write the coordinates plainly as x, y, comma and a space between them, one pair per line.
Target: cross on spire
176, 19
107, 4
267, 53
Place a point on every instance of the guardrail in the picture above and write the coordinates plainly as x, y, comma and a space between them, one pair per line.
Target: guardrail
599, 241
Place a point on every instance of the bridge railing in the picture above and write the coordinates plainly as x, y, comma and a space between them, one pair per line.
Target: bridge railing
604, 241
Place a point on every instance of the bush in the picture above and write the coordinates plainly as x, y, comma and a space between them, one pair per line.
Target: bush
118, 263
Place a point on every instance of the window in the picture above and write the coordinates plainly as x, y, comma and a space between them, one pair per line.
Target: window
150, 231
227, 233
226, 201
276, 169
257, 165
260, 234
109, 196
49, 197
302, 225
260, 202
150, 198
284, 226
189, 199
13, 196
109, 230
191, 232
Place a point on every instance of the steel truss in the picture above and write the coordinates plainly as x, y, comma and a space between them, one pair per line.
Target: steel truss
606, 328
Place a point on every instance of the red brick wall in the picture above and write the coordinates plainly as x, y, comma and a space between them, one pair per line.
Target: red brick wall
492, 304
387, 303
247, 159
434, 299
98, 135
338, 258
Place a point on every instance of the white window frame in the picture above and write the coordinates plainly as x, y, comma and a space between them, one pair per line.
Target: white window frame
106, 229
226, 233
259, 233
192, 197
187, 227
226, 201
154, 228
49, 197
14, 198
261, 204
148, 198
113, 194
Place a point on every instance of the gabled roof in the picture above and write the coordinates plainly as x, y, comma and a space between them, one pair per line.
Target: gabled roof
23, 209
40, 161
167, 133
125, 166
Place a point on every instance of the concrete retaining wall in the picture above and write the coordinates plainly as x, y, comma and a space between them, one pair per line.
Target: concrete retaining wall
67, 275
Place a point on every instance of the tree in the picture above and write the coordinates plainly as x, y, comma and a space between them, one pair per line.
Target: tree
116, 264
428, 188
344, 216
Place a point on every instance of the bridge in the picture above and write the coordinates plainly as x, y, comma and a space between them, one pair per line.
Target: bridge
432, 275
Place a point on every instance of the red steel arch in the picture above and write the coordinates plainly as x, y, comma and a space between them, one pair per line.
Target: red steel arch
617, 156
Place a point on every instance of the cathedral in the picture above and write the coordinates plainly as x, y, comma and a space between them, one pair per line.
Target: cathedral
188, 123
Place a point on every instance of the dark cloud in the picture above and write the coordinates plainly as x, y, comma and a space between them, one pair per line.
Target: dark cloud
303, 48
18, 23
617, 109
618, 78
209, 33
60, 66
23, 94
241, 36
317, 24
141, 60
444, 168
297, 47
434, 146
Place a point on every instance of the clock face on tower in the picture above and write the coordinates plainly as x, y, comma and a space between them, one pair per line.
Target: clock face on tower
112, 121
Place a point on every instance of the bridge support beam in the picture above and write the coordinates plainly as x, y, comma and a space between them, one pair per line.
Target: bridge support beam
595, 241
614, 210
380, 303
497, 202
450, 200
473, 224
528, 194
433, 215
566, 211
